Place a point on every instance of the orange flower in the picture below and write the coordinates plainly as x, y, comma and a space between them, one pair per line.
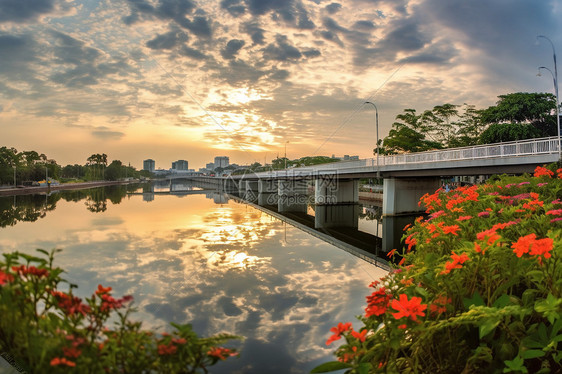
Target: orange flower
164, 349
408, 308
541, 171
439, 305
338, 330
451, 229
359, 335
463, 218
221, 353
529, 244
102, 290
62, 361
456, 263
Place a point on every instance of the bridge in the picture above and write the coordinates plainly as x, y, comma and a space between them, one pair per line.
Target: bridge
406, 177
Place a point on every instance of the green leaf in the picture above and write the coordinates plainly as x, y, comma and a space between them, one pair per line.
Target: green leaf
502, 301
475, 300
363, 368
487, 327
330, 366
515, 365
532, 353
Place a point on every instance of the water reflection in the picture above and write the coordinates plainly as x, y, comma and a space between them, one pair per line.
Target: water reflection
223, 267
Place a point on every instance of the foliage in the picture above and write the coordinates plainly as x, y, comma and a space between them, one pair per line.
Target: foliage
506, 132
29, 166
481, 292
409, 135
44, 329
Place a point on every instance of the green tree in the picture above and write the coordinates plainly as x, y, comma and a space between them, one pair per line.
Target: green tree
409, 134
114, 170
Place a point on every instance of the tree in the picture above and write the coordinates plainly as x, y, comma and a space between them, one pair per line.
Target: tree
113, 171
409, 135
469, 128
520, 109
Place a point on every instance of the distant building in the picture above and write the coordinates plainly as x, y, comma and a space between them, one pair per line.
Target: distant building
210, 166
349, 158
180, 165
221, 161
149, 165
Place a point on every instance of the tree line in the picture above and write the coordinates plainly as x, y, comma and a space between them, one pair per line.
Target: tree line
515, 116
26, 167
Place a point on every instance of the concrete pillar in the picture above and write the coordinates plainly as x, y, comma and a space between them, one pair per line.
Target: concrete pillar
251, 193
330, 191
341, 215
267, 192
229, 186
241, 187
401, 195
292, 196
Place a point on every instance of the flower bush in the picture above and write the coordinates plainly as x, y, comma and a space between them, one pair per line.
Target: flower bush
43, 329
478, 287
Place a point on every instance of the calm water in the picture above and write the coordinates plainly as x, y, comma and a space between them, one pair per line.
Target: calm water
201, 258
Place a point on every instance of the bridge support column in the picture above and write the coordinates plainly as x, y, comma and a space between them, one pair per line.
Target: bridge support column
401, 195
251, 192
229, 186
267, 192
336, 203
292, 196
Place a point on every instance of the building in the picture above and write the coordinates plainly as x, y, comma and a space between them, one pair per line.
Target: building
149, 165
221, 162
210, 166
180, 165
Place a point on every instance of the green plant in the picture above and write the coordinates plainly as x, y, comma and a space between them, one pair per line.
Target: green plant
478, 289
46, 330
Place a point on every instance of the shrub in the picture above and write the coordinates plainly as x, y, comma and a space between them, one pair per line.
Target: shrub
478, 288
43, 329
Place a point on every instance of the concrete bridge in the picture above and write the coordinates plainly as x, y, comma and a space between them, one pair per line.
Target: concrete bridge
406, 177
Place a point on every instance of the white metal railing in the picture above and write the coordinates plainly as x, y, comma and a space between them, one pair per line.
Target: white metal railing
509, 149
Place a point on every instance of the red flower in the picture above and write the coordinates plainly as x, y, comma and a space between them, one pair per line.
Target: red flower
220, 353
5, 277
377, 303
71, 352
408, 308
439, 305
179, 341
338, 330
359, 335
32, 270
451, 229
62, 361
70, 304
457, 262
541, 171
529, 244
102, 290
556, 212
463, 218
164, 349
411, 241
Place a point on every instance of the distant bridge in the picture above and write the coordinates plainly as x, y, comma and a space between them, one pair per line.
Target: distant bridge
407, 177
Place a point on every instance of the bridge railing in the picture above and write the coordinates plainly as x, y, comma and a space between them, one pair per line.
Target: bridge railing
508, 149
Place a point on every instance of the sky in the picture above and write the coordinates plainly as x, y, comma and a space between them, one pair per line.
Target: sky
253, 79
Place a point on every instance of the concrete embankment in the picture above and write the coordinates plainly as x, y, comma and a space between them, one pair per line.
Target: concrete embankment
64, 186
370, 196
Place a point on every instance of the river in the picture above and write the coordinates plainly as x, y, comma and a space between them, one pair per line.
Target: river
204, 258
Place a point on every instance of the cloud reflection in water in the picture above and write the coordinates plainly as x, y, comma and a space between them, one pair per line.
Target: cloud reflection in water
228, 268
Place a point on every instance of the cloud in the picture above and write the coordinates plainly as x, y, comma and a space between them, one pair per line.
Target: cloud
17, 52
20, 11
333, 8
281, 50
232, 48
234, 7
168, 40
104, 133
255, 31
291, 12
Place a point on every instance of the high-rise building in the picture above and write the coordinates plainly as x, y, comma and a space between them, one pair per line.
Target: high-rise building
180, 165
221, 161
210, 166
149, 165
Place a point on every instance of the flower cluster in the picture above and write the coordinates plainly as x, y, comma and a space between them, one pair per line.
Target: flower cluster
483, 259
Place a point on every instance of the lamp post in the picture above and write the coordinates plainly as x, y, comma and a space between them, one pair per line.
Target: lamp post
555, 79
377, 128
14, 175
286, 154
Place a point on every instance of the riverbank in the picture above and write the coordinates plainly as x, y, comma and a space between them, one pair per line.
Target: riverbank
65, 186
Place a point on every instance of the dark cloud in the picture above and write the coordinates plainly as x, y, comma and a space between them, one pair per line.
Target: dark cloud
192, 53
311, 53
175, 10
291, 12
255, 32
281, 50
333, 8
234, 7
68, 50
168, 40
16, 53
232, 48
331, 37
24, 10
364, 25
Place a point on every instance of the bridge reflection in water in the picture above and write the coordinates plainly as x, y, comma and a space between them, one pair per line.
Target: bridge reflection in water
356, 227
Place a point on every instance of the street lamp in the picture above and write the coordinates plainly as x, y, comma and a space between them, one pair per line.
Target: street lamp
555, 79
377, 127
286, 154
14, 166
